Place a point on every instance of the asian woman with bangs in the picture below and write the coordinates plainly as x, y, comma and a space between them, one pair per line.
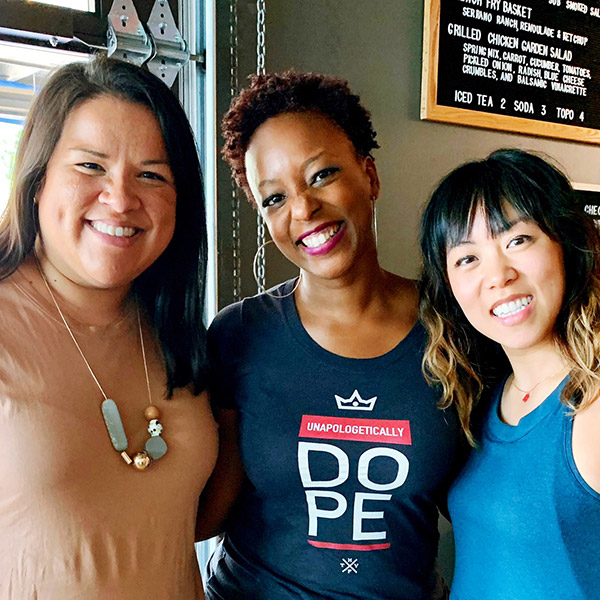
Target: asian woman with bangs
510, 298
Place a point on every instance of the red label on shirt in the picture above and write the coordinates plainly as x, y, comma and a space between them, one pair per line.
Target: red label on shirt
385, 431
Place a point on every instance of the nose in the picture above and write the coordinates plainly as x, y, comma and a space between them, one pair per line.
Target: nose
120, 194
499, 272
303, 206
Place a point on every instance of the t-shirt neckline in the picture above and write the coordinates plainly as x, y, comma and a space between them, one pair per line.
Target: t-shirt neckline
406, 344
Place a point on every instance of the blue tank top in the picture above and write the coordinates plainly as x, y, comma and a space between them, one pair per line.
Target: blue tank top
526, 524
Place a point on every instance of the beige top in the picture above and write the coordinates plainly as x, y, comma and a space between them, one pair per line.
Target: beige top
75, 521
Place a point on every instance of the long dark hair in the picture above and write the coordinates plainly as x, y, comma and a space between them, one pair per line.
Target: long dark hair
171, 290
460, 358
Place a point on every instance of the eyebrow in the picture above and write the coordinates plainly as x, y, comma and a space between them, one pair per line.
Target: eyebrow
89, 151
304, 165
504, 229
157, 161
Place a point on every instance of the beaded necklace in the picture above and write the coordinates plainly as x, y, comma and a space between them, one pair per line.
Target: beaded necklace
155, 446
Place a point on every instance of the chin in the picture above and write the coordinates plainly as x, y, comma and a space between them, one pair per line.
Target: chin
326, 275
521, 344
328, 269
108, 281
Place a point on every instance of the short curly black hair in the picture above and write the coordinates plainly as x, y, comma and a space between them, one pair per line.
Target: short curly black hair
290, 91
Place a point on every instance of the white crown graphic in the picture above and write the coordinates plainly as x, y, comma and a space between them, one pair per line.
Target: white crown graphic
355, 402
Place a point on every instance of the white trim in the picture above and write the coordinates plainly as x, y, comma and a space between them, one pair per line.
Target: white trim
586, 187
197, 90
210, 162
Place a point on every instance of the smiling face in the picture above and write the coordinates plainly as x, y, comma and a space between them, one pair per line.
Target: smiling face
107, 202
510, 287
315, 193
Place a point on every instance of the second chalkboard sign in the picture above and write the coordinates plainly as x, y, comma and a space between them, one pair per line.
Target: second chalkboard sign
531, 66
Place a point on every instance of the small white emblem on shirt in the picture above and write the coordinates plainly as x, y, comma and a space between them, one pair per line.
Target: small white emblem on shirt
355, 402
349, 565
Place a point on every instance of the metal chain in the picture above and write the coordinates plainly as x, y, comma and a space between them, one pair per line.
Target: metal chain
260, 70
235, 196
260, 37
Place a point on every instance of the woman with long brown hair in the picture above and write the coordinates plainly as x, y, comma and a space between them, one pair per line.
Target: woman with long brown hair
106, 434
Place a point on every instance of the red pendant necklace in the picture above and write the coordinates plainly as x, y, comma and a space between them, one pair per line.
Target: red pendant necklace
527, 393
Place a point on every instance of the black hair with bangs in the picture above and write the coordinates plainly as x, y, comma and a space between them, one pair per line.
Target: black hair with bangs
465, 362
534, 188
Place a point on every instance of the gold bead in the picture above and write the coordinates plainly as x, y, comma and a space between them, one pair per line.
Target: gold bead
126, 458
141, 461
151, 412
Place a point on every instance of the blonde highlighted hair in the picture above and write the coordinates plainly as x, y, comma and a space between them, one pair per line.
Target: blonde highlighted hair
464, 362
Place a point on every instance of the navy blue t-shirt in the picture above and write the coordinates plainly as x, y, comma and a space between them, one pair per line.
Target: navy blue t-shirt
346, 462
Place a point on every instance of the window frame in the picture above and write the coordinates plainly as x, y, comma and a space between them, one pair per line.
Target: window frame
67, 28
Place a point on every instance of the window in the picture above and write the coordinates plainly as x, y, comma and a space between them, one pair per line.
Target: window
9, 137
84, 5
23, 69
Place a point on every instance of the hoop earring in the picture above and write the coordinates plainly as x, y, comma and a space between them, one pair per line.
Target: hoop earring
255, 273
375, 221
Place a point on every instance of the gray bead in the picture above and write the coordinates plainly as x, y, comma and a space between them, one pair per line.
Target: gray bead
156, 447
114, 425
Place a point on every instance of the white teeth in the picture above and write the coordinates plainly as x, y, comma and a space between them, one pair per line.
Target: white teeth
513, 307
111, 230
318, 239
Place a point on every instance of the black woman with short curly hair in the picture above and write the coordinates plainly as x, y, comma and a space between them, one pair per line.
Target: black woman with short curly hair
333, 450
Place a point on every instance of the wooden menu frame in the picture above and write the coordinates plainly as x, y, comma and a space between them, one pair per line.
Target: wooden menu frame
431, 110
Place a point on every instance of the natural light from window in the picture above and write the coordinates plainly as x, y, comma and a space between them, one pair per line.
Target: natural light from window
9, 137
23, 70
85, 5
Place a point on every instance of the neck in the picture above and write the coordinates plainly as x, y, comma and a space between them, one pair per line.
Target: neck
89, 306
347, 295
534, 365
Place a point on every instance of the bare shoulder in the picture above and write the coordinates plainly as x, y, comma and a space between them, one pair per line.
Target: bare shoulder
586, 444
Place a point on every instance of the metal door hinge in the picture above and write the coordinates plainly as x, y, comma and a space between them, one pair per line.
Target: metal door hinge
171, 50
160, 43
126, 37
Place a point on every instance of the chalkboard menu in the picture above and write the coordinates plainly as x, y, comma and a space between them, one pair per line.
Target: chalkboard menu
589, 201
530, 66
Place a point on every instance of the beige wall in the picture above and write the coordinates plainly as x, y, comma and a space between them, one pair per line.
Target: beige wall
376, 45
